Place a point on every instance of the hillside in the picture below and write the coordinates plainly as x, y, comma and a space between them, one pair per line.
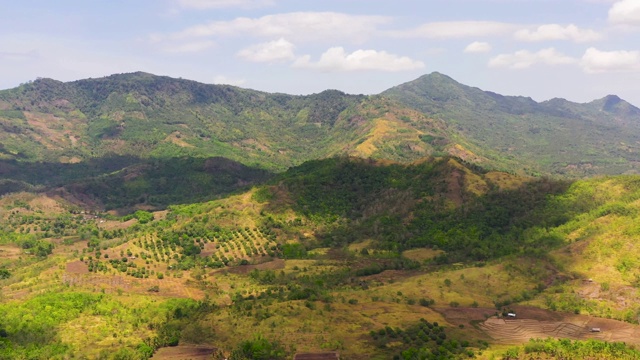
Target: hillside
555, 136
147, 216
146, 116
341, 254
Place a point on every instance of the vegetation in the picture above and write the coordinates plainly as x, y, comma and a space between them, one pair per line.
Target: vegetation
141, 213
555, 136
423, 340
567, 349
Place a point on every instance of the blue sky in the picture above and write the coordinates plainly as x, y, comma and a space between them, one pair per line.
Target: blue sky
580, 50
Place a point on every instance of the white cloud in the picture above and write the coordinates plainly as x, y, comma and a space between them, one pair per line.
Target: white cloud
477, 47
277, 50
625, 12
596, 61
217, 4
190, 47
299, 26
455, 29
558, 32
223, 80
337, 59
524, 59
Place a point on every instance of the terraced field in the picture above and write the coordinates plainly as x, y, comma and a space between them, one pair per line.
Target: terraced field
515, 331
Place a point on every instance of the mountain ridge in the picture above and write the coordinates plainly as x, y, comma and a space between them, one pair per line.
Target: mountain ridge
142, 114
144, 74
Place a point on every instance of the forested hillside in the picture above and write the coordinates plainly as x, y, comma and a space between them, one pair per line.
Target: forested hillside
143, 216
310, 259
552, 137
144, 115
150, 116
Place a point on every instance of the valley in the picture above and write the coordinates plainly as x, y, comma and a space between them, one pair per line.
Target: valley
149, 217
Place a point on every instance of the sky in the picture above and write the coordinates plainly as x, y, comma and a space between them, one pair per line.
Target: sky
579, 50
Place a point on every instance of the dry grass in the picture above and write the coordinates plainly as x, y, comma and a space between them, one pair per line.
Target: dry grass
10, 252
184, 352
357, 247
421, 254
506, 181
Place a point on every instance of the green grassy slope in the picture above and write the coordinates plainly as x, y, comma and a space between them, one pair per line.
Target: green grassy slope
555, 136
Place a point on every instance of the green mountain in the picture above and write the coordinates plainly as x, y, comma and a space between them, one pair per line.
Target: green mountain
555, 136
148, 116
143, 216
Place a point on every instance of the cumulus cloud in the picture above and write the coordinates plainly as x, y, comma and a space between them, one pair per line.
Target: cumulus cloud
277, 50
189, 47
524, 59
298, 26
217, 4
455, 29
625, 12
558, 32
337, 59
477, 47
596, 61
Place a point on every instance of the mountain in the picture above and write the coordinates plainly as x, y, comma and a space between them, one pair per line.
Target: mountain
143, 216
144, 115
555, 136
155, 117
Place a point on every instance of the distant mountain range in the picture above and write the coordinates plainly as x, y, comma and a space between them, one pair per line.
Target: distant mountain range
145, 116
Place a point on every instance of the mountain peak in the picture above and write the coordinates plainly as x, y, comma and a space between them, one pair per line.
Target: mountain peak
615, 105
437, 76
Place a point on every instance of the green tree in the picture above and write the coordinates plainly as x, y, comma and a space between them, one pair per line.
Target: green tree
4, 274
258, 349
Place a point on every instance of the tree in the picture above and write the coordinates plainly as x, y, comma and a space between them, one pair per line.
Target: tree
4, 274
143, 216
258, 349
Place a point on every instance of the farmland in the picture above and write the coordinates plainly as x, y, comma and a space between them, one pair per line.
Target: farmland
318, 269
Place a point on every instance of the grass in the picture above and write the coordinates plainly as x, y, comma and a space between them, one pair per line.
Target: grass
319, 300
421, 255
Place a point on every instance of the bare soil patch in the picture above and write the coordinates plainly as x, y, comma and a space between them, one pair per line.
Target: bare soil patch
209, 249
10, 252
463, 315
116, 225
564, 326
167, 287
77, 267
390, 275
421, 254
317, 356
454, 187
184, 352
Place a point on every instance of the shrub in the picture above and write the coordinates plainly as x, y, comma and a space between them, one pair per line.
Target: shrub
427, 302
